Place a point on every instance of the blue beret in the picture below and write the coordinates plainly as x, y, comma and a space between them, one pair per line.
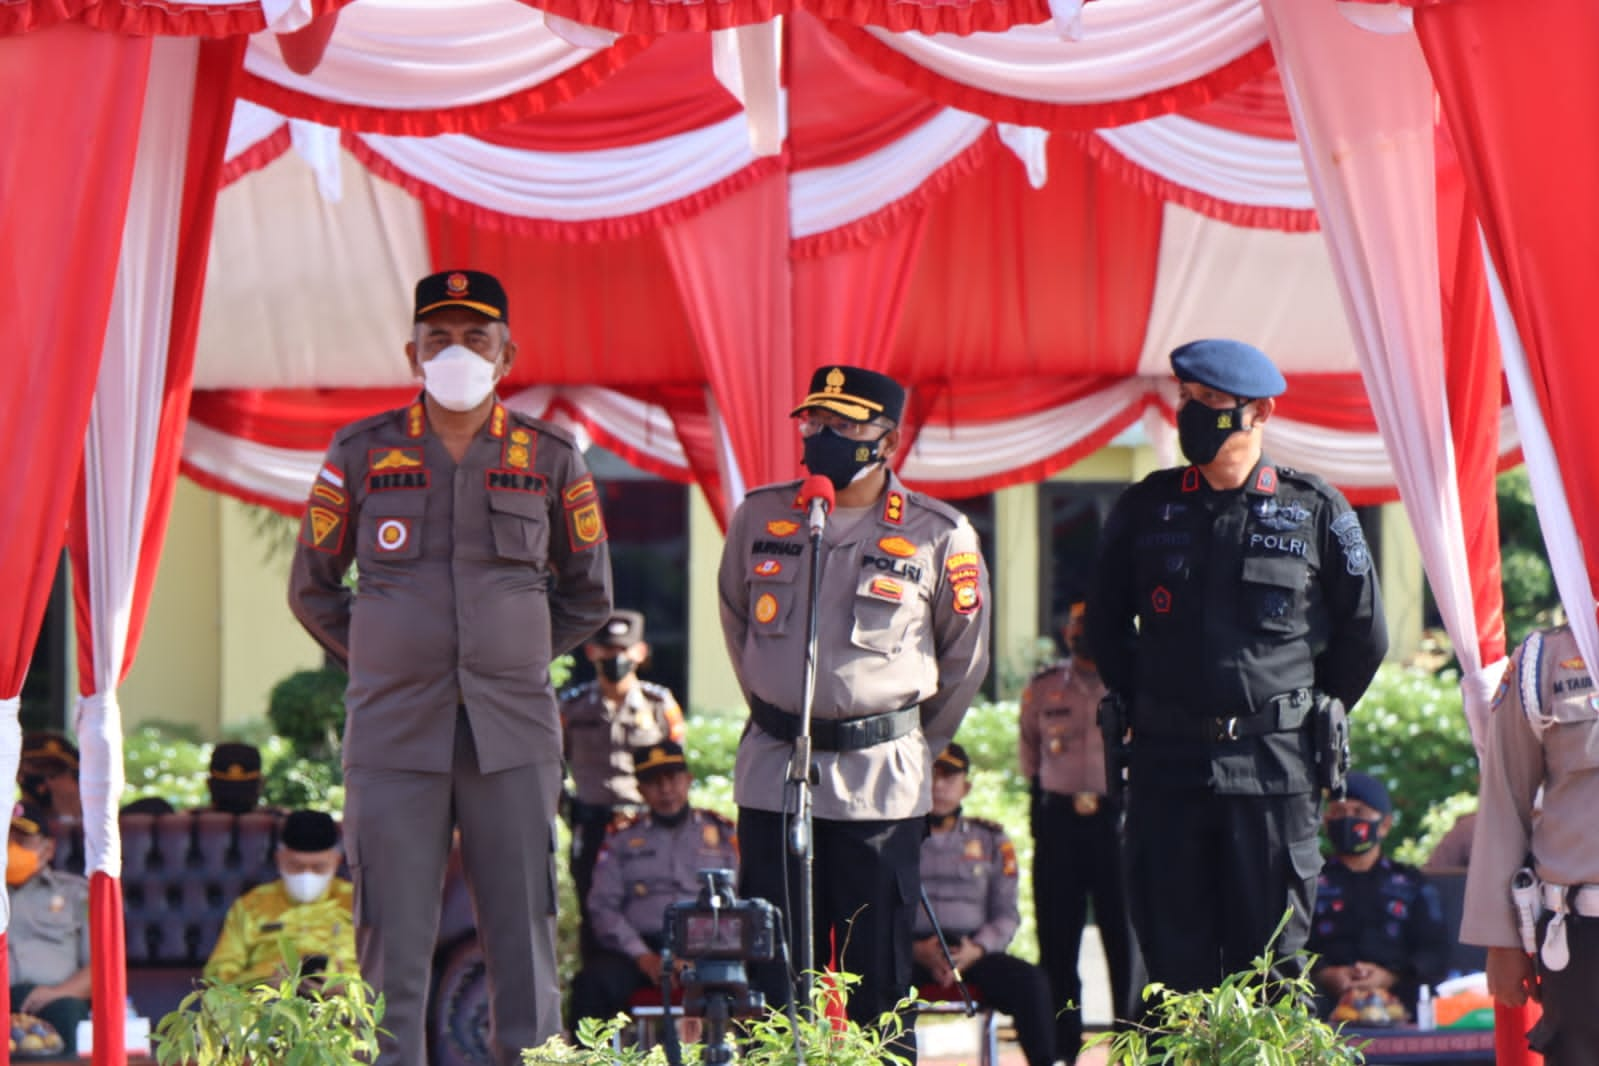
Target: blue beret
1371, 792
1233, 367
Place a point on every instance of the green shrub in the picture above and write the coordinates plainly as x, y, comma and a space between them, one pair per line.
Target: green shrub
1410, 732
307, 709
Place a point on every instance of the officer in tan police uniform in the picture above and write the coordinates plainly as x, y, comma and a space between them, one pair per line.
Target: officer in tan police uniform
969, 869
602, 723
482, 556
1543, 735
648, 861
1077, 843
901, 651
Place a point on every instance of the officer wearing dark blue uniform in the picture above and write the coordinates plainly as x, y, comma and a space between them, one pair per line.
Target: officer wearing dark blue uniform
1233, 598
1379, 924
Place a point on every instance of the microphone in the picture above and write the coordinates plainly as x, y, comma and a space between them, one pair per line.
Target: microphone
817, 494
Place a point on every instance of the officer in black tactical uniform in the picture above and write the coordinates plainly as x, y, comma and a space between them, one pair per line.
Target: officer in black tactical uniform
1257, 612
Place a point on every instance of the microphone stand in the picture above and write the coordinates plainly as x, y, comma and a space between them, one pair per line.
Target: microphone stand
801, 841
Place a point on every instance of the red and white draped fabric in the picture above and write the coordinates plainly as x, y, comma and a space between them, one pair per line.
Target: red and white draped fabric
131, 450
59, 263
164, 18
1517, 86
1368, 145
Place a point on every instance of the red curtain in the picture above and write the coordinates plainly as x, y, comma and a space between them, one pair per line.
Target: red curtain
1520, 90
732, 272
58, 262
1058, 303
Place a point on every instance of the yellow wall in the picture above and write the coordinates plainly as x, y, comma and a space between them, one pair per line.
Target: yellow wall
219, 633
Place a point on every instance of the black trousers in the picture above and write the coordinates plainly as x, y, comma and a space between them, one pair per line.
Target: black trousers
866, 887
1018, 988
1568, 1032
603, 986
1210, 876
589, 824
1078, 858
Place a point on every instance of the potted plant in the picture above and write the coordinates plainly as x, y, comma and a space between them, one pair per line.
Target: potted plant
296, 1021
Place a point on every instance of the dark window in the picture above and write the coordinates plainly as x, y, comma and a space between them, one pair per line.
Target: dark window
647, 520
1070, 516
45, 691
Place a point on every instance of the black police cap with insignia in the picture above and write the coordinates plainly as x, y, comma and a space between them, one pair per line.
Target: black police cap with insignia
622, 630
309, 831
46, 745
233, 761
1233, 367
472, 289
953, 759
658, 759
857, 394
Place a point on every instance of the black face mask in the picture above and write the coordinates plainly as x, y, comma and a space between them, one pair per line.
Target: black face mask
1203, 430
837, 458
1354, 836
615, 668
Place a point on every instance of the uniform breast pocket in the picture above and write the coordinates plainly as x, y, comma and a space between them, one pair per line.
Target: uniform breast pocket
773, 590
391, 526
521, 525
1272, 594
885, 608
1571, 739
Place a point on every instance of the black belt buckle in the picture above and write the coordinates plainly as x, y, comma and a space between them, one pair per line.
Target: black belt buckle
1224, 729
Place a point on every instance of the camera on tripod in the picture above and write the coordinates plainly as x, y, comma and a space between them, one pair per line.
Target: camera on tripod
717, 934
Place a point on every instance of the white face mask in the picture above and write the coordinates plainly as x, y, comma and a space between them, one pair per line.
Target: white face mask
458, 378
306, 887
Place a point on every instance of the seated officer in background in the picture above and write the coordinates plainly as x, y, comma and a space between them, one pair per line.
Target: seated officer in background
234, 780
602, 723
969, 871
47, 942
647, 862
48, 776
1378, 926
305, 914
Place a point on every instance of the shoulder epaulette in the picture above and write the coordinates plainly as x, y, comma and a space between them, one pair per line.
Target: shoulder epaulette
787, 489
656, 692
370, 422
1315, 482
949, 512
576, 692
624, 821
718, 817
544, 428
985, 823
1049, 668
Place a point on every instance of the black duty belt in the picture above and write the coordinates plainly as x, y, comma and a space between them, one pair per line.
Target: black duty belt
837, 734
1285, 713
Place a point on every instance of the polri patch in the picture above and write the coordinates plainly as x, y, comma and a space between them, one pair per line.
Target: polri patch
393, 534
1346, 527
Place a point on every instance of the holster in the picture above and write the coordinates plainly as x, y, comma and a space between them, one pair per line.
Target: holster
1112, 720
1331, 726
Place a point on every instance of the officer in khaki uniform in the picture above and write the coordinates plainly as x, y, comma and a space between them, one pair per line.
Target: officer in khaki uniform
902, 649
969, 870
602, 723
1543, 736
482, 555
1077, 841
47, 940
307, 910
648, 861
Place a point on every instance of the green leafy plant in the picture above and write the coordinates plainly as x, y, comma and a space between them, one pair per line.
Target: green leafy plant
291, 1022
765, 1041
1253, 1017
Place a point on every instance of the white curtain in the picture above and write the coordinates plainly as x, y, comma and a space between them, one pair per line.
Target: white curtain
1368, 145
405, 55
1127, 48
1235, 167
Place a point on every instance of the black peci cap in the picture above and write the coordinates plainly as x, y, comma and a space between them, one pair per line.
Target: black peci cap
857, 394
471, 289
309, 831
1233, 367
